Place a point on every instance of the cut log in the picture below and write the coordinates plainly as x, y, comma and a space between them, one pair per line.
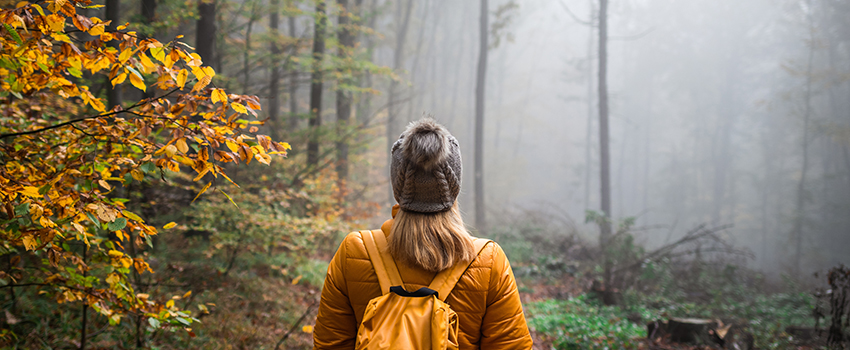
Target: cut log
694, 331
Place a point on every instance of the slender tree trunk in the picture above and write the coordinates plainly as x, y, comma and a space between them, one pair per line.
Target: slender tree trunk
293, 80
113, 13
343, 97
316, 84
364, 104
274, 68
85, 308
246, 58
589, 133
411, 114
605, 161
205, 32
398, 59
801, 190
480, 82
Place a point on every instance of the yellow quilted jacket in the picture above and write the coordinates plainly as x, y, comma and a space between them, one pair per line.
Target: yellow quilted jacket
486, 298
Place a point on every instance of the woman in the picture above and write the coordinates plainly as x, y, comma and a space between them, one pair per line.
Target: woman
425, 236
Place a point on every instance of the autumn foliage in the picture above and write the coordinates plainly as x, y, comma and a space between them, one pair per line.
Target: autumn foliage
66, 158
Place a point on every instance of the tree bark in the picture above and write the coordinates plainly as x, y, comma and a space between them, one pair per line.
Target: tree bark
274, 70
343, 97
316, 84
205, 32
480, 83
605, 161
113, 13
293, 80
797, 232
398, 59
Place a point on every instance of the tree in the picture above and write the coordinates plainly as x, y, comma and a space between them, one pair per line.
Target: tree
604, 159
321, 23
274, 74
65, 155
205, 31
402, 22
343, 96
480, 82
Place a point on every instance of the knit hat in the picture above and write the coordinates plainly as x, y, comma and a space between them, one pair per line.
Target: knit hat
426, 168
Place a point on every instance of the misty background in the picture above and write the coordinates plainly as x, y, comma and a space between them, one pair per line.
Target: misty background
722, 112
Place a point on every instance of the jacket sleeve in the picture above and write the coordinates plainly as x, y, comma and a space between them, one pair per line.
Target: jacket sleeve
504, 325
336, 326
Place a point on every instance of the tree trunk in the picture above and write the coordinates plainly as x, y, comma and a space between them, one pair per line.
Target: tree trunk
113, 13
274, 68
246, 58
480, 83
205, 32
343, 97
316, 84
415, 67
801, 191
605, 161
364, 104
293, 81
398, 59
589, 132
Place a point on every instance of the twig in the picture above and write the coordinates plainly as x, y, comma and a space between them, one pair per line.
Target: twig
294, 326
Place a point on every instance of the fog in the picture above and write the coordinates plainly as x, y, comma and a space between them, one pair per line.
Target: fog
722, 112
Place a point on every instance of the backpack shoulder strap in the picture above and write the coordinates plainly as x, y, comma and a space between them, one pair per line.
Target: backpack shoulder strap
382, 261
446, 280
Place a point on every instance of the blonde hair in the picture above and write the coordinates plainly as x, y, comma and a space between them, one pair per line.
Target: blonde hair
431, 241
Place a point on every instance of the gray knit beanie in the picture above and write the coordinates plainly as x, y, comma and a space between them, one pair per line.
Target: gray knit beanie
426, 168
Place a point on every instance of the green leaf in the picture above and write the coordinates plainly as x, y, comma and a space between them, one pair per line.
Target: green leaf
14, 33
43, 189
22, 209
148, 167
118, 224
93, 219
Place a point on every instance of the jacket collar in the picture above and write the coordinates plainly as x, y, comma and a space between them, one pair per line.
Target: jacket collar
388, 225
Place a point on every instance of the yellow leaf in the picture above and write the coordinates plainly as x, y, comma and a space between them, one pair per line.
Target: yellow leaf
137, 81
201, 175
181, 145
131, 215
307, 329
147, 63
187, 294
79, 228
286, 145
202, 191
97, 30
233, 147
214, 96
170, 150
158, 53
297, 279
119, 79
125, 55
104, 184
169, 225
209, 71
30, 191
202, 83
239, 108
137, 174
36, 211
169, 304
181, 78
29, 242
113, 278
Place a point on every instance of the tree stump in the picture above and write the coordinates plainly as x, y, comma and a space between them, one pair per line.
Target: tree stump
694, 331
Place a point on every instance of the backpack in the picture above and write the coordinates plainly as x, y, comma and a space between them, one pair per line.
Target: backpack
399, 319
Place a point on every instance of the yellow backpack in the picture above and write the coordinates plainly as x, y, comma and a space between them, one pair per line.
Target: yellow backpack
399, 319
